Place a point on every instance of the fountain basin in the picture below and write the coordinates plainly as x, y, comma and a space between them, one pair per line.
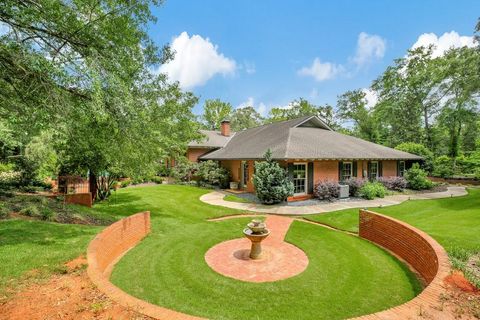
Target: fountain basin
256, 239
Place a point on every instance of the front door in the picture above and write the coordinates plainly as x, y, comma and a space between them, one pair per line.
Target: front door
300, 178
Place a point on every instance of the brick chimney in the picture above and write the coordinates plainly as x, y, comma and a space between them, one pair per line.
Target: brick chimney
225, 128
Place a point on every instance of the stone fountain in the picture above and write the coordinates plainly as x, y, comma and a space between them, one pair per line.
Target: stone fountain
256, 232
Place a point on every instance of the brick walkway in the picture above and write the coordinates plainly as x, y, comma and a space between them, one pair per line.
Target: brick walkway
280, 260
216, 198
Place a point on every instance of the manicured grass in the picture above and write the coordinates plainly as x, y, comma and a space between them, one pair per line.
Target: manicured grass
453, 222
346, 276
233, 198
39, 246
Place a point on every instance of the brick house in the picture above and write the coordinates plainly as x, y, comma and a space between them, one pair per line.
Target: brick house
309, 149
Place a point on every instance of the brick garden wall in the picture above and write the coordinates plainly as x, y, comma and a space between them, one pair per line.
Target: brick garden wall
84, 199
107, 248
418, 249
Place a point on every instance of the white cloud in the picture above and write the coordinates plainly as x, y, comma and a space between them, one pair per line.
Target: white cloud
321, 71
446, 41
249, 67
250, 102
196, 61
314, 93
371, 97
369, 48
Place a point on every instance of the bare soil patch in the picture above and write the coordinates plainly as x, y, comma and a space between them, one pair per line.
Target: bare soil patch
65, 296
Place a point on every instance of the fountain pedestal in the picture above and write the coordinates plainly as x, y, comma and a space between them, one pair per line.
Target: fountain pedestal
256, 233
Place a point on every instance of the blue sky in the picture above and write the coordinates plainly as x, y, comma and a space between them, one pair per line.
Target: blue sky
267, 53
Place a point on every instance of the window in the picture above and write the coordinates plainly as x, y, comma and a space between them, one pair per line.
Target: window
373, 174
401, 168
347, 171
300, 178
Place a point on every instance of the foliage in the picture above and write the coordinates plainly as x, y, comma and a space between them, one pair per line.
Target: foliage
30, 211
443, 167
184, 170
352, 106
9, 178
477, 174
419, 150
6, 167
272, 184
326, 190
4, 211
156, 179
300, 108
105, 185
417, 178
245, 118
41, 154
214, 112
125, 183
354, 185
372, 190
393, 183
211, 173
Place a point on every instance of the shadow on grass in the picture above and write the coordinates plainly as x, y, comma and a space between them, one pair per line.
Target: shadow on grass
15, 232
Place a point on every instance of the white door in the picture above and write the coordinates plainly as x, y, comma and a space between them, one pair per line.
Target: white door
300, 178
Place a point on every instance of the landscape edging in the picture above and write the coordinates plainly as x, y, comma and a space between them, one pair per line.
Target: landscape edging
107, 248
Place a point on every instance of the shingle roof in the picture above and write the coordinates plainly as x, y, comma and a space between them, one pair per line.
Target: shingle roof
302, 138
213, 139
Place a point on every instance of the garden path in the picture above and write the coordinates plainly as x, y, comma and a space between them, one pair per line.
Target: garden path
216, 198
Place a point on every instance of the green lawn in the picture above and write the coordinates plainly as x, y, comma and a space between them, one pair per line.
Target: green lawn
346, 276
40, 246
234, 198
453, 222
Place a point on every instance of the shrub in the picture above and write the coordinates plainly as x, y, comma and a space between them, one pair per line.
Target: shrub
184, 170
326, 190
417, 178
6, 167
4, 211
47, 214
419, 150
477, 174
30, 211
9, 178
393, 183
271, 182
210, 173
125, 183
371, 190
443, 167
156, 179
354, 185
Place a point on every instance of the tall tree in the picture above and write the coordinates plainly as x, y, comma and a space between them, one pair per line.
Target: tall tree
214, 112
409, 97
352, 107
302, 107
244, 118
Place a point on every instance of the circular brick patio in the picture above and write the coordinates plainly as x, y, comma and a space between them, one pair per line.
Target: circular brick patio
279, 260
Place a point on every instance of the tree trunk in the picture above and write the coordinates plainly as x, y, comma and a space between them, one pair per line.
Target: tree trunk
428, 134
92, 181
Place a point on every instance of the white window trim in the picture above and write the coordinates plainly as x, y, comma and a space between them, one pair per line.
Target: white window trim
370, 173
306, 179
351, 169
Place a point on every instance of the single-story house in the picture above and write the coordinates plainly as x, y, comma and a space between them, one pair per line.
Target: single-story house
306, 146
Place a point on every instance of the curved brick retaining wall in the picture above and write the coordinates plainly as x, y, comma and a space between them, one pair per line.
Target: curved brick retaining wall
414, 246
418, 249
107, 248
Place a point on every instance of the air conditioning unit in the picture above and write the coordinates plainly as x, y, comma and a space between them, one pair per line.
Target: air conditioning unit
344, 191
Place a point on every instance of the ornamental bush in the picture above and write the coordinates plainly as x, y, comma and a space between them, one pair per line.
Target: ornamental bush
210, 173
271, 181
372, 190
417, 178
419, 150
443, 167
393, 183
184, 170
327, 190
354, 185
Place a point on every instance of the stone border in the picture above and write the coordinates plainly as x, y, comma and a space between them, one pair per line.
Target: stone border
414, 246
107, 248
419, 250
